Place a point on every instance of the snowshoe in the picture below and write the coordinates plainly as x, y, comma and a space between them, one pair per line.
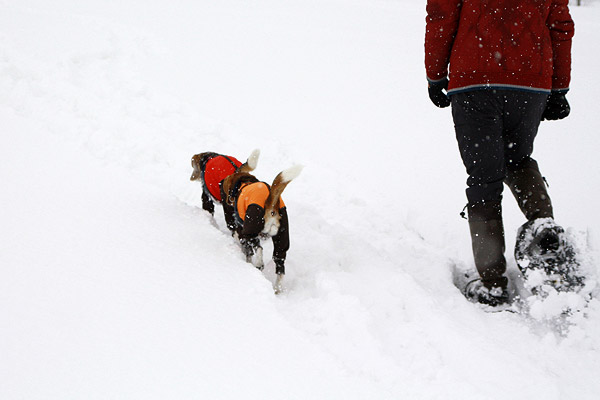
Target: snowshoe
476, 292
546, 257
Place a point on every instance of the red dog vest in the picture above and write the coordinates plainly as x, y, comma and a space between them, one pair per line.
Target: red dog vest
217, 169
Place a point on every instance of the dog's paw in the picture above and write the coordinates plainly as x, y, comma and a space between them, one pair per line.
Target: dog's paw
257, 258
278, 286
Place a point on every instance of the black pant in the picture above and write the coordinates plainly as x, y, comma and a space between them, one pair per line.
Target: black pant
495, 129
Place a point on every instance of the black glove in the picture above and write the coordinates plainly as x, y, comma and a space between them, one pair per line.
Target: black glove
557, 107
436, 94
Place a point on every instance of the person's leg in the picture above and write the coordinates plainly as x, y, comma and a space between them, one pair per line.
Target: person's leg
539, 239
478, 124
523, 177
527, 185
487, 240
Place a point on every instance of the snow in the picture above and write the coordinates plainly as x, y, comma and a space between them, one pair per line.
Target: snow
115, 284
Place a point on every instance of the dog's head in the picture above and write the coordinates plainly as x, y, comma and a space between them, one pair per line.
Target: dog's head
197, 166
199, 163
272, 216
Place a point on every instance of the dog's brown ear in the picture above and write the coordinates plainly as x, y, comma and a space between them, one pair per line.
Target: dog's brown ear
226, 185
251, 162
196, 161
272, 203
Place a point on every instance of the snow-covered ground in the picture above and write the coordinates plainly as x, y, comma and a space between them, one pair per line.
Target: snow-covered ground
114, 284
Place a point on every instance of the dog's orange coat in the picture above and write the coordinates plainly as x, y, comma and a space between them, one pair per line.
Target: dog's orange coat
253, 193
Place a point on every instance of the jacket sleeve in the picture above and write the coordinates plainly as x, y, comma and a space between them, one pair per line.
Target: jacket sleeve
442, 25
562, 29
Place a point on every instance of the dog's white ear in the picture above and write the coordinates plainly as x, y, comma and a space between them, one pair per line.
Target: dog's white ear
253, 159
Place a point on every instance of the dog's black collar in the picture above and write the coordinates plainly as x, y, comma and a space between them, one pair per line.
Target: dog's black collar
235, 190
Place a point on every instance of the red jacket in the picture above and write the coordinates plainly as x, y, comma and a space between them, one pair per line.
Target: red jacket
218, 168
520, 44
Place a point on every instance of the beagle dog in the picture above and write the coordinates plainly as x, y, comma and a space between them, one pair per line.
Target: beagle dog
257, 210
210, 169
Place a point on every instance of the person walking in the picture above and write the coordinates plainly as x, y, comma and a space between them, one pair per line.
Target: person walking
503, 65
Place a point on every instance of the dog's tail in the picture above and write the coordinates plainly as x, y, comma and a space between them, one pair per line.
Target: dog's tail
251, 162
272, 203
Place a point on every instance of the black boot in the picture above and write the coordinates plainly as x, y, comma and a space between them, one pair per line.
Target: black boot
541, 243
529, 188
477, 292
487, 238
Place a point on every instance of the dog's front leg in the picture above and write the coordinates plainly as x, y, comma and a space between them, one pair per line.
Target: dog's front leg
207, 204
253, 251
280, 273
229, 214
278, 284
253, 225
